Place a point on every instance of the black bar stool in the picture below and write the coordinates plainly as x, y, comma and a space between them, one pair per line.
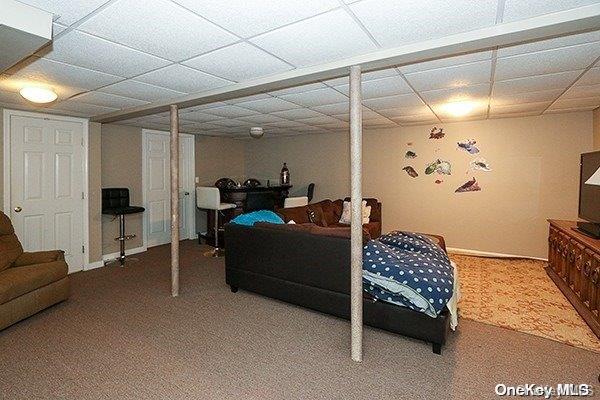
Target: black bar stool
115, 202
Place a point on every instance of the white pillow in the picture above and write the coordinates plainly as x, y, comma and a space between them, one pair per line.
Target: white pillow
347, 213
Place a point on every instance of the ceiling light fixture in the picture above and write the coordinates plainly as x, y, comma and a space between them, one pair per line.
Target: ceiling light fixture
460, 108
38, 94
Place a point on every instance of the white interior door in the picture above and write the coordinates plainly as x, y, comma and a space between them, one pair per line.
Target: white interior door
46, 185
157, 183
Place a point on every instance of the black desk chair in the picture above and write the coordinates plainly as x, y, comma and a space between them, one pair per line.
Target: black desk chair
115, 202
310, 192
256, 201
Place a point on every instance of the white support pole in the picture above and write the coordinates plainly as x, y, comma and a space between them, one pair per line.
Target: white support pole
356, 245
174, 167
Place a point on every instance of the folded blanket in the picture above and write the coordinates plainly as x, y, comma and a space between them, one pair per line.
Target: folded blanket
410, 270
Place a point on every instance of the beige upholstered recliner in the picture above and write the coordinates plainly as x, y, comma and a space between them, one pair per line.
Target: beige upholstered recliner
29, 282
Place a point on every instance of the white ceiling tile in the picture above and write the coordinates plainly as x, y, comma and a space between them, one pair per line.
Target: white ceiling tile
232, 123
449, 77
475, 92
108, 100
405, 100
519, 108
159, 27
334, 109
583, 103
317, 97
514, 115
251, 17
400, 112
447, 62
66, 11
519, 9
230, 111
327, 37
425, 117
297, 113
286, 124
181, 78
84, 50
269, 105
380, 87
582, 91
321, 120
395, 23
261, 119
198, 116
564, 41
238, 62
298, 89
525, 97
64, 75
591, 77
141, 91
83, 108
547, 61
535, 83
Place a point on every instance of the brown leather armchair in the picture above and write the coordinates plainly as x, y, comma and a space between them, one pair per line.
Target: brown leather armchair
29, 282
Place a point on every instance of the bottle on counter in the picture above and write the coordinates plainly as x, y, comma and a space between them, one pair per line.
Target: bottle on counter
284, 177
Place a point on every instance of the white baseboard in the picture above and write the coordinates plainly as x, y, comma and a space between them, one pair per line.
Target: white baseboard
128, 252
478, 253
94, 265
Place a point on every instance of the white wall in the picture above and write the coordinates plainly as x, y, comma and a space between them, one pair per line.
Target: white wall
535, 177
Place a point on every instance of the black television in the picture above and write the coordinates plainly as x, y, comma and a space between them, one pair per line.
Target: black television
589, 195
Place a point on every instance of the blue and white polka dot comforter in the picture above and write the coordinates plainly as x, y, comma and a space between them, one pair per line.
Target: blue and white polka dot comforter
409, 270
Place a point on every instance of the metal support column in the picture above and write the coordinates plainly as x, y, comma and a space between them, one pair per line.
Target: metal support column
356, 246
174, 201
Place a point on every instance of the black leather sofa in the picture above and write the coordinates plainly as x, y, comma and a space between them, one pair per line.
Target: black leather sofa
313, 271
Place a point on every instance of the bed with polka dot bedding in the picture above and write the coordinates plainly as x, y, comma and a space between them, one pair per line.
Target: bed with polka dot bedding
409, 270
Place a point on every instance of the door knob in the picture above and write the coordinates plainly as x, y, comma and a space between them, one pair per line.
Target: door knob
18, 209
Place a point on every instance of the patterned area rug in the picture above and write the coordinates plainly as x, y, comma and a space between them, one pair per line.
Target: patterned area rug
517, 294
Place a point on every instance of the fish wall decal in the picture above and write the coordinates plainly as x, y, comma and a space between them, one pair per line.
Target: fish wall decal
442, 167
410, 171
480, 164
468, 146
410, 154
436, 133
469, 186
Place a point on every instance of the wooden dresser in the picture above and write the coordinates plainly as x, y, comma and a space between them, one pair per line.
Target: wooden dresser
574, 265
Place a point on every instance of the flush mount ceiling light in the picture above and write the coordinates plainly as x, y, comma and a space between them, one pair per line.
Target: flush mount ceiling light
459, 108
38, 94
256, 132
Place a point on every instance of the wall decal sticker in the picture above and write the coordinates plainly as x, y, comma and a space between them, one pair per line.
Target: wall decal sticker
410, 171
470, 186
468, 146
442, 167
438, 181
480, 164
436, 133
410, 154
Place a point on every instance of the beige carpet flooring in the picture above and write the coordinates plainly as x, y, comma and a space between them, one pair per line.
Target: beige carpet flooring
518, 294
121, 336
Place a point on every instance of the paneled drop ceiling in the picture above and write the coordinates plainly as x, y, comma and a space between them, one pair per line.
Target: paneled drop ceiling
111, 55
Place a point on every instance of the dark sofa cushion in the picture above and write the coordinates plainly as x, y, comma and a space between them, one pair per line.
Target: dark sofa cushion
339, 231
